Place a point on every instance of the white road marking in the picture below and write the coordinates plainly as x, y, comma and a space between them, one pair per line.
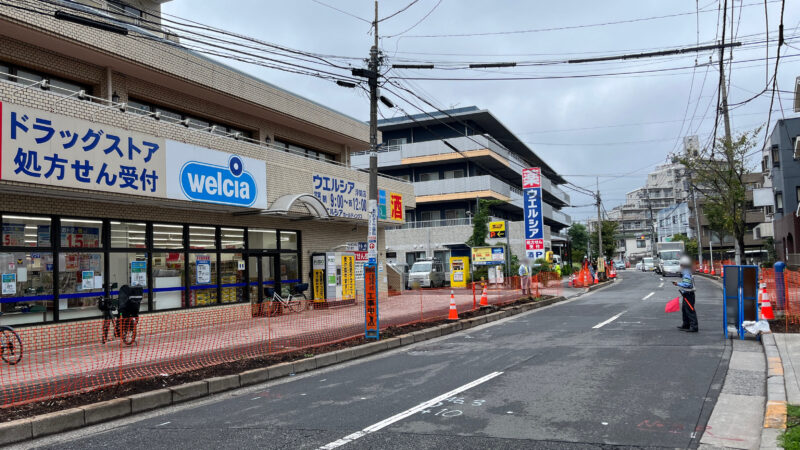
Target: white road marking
162, 424
648, 295
661, 285
407, 413
601, 324
660, 279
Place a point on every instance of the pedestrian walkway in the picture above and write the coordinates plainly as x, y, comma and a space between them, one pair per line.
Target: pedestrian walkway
203, 337
789, 348
738, 416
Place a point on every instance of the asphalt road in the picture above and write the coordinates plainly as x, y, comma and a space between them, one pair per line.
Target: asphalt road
608, 368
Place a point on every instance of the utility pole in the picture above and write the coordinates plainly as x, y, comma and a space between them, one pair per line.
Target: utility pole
724, 97
599, 222
653, 234
697, 226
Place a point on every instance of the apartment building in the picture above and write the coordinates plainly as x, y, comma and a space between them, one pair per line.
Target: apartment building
781, 165
130, 159
454, 158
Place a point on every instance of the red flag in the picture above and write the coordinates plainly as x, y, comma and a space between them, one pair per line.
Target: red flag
673, 305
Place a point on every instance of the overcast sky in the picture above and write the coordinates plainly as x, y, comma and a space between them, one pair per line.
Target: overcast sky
583, 127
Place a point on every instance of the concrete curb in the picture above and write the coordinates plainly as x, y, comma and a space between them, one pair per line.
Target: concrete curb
70, 419
775, 410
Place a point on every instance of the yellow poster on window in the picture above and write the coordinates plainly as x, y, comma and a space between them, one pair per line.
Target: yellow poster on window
348, 278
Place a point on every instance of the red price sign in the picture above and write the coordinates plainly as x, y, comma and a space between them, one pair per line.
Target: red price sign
534, 244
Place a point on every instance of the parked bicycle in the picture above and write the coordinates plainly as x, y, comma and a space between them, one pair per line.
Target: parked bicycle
127, 317
10, 345
296, 301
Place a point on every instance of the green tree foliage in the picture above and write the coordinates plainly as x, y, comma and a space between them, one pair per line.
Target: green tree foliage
689, 243
579, 238
718, 174
609, 238
480, 223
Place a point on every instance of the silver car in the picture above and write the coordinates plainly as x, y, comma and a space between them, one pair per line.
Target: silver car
670, 267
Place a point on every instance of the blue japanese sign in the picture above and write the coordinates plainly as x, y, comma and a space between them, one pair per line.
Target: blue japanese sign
46, 148
343, 198
534, 221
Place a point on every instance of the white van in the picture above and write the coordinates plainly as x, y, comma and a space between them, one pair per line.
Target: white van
426, 273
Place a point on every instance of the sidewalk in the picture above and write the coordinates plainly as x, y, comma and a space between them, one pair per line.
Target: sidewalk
47, 373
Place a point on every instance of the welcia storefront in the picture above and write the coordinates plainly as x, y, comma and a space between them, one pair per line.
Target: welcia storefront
57, 267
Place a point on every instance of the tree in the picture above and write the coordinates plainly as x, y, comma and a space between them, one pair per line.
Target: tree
609, 238
718, 174
579, 236
690, 244
480, 223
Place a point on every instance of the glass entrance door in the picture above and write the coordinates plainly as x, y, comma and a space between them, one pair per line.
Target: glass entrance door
261, 276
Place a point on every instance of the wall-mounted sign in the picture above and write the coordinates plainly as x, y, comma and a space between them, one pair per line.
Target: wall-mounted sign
139, 273
203, 269
342, 198
9, 283
497, 229
371, 324
209, 176
44, 148
488, 256
534, 221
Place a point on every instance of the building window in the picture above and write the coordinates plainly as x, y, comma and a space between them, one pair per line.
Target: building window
303, 151
426, 216
25, 76
641, 243
395, 144
118, 7
776, 162
137, 106
457, 173
429, 176
779, 202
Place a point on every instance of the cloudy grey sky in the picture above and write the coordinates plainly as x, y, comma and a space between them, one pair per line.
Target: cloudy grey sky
582, 126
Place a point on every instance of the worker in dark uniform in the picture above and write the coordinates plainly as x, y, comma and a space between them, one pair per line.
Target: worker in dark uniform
686, 286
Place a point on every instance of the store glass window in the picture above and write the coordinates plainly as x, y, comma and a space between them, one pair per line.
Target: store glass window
27, 287
232, 238
262, 239
288, 240
202, 237
25, 231
203, 279
128, 235
167, 236
290, 273
232, 276
80, 284
128, 268
81, 233
168, 286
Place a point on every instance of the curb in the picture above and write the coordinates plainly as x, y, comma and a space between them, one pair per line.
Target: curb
83, 416
775, 410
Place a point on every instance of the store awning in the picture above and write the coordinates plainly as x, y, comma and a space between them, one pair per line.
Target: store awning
284, 204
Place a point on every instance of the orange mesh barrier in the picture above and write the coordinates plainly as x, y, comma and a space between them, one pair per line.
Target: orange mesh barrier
68, 358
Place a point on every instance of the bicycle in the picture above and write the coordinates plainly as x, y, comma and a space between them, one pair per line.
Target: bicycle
10, 345
296, 301
124, 327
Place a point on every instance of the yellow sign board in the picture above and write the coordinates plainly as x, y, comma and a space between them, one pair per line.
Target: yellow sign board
319, 284
487, 256
348, 278
497, 229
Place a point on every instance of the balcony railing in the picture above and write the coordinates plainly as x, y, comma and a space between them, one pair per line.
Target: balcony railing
438, 223
464, 184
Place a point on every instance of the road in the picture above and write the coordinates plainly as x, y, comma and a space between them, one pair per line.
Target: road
607, 368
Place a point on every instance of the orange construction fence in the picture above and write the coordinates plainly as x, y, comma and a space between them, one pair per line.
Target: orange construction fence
67, 358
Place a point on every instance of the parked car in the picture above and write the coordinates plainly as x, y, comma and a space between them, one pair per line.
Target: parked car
619, 264
427, 273
639, 265
648, 264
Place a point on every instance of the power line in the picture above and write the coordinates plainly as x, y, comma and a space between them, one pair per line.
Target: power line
417, 22
342, 11
399, 11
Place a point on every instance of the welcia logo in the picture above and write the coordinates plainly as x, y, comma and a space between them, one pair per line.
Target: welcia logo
230, 185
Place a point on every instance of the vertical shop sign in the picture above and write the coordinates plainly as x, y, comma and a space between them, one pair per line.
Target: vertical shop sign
348, 278
9, 283
371, 320
534, 223
318, 265
382, 204
139, 273
396, 207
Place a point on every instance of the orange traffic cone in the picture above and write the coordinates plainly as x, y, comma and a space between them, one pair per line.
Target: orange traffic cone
766, 306
596, 280
705, 268
572, 280
484, 298
712, 270
453, 311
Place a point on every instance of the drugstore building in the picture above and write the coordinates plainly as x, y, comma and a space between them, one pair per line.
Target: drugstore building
127, 159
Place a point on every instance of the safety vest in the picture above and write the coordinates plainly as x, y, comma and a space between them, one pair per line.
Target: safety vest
523, 271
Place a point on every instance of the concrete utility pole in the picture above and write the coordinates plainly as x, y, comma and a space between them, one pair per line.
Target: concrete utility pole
653, 234
724, 110
373, 135
599, 222
697, 226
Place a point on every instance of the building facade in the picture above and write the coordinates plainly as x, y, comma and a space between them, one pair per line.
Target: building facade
782, 168
454, 158
674, 220
129, 159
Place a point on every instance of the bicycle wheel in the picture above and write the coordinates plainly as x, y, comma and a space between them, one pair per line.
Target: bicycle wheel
128, 330
298, 302
10, 346
105, 329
